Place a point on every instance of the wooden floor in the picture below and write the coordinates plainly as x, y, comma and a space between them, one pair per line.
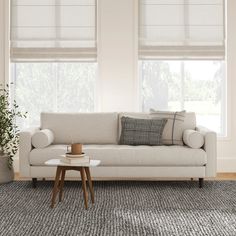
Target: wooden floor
226, 176
220, 176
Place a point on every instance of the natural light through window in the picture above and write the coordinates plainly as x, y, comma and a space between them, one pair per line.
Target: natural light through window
197, 86
53, 87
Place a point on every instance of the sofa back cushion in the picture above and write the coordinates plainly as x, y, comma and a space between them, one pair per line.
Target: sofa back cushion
85, 128
190, 121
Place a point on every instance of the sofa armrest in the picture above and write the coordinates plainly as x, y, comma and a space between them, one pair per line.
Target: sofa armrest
210, 140
25, 148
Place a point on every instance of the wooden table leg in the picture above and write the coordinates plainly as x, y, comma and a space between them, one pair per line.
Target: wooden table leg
83, 178
63, 172
90, 183
56, 186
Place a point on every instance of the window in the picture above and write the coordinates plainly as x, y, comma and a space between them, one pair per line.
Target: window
181, 52
197, 86
53, 87
53, 55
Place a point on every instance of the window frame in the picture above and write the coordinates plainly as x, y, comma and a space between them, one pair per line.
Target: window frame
12, 78
225, 120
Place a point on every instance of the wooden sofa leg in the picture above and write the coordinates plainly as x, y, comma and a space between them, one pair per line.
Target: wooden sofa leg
201, 182
34, 182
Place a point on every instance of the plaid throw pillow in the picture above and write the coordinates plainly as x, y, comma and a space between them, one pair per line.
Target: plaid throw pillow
142, 131
173, 131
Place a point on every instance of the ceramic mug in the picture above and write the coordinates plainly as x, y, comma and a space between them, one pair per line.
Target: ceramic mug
76, 148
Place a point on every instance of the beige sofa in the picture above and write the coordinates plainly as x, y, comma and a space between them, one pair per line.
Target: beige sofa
99, 133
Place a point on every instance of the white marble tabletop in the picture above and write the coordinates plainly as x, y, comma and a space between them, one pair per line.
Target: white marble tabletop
58, 162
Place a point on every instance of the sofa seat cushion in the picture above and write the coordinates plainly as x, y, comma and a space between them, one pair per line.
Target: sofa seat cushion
124, 155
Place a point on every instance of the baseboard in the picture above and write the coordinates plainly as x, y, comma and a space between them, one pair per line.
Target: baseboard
224, 164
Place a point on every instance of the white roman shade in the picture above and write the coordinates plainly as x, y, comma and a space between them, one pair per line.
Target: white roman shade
53, 30
181, 29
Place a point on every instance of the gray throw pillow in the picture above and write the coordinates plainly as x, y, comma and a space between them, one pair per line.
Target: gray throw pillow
141, 131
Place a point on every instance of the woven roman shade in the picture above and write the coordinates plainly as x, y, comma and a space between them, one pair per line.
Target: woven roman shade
53, 30
181, 29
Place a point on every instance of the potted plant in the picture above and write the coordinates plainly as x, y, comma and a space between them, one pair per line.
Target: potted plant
9, 134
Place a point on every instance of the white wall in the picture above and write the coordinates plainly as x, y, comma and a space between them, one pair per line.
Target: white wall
117, 61
2, 47
227, 148
117, 54
4, 40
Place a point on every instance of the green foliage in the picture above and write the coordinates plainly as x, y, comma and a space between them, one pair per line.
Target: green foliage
9, 132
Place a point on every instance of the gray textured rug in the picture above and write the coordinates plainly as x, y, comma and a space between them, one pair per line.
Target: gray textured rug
121, 208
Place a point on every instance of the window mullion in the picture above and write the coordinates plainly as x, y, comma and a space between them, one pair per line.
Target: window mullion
186, 22
223, 116
55, 75
57, 23
182, 78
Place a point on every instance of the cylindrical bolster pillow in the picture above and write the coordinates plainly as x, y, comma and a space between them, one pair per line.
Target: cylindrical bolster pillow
193, 139
42, 138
